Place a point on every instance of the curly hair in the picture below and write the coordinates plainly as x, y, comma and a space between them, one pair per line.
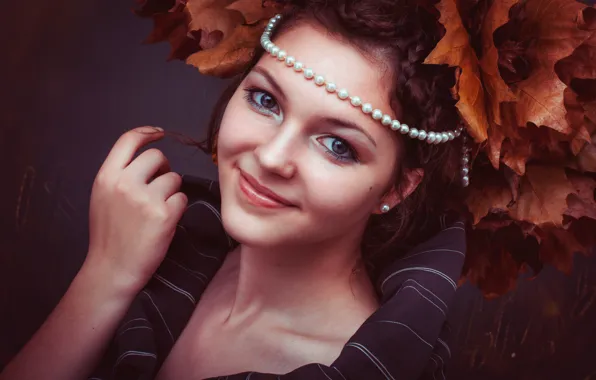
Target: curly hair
398, 34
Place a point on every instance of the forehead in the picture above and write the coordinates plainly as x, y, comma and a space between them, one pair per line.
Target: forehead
338, 61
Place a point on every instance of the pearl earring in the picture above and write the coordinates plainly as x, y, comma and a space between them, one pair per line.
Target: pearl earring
385, 208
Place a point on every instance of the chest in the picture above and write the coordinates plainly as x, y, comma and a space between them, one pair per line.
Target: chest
205, 349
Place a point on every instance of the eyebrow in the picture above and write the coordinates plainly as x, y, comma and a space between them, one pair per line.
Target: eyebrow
329, 120
348, 124
261, 70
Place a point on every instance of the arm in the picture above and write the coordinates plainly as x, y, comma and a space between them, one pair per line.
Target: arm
71, 341
135, 206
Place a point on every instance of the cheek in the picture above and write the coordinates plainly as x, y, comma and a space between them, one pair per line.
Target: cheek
345, 193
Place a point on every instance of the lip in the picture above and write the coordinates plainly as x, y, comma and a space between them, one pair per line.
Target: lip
260, 195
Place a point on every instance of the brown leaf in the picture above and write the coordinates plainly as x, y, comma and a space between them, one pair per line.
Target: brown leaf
576, 117
488, 193
586, 159
496, 89
455, 49
553, 29
254, 11
543, 196
233, 53
212, 19
494, 258
581, 202
557, 247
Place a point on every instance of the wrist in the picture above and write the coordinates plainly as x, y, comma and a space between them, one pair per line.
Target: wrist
104, 279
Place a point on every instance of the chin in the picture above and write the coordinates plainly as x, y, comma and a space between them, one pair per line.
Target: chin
257, 230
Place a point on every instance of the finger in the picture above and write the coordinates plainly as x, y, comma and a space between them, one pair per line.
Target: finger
128, 144
165, 185
177, 204
147, 166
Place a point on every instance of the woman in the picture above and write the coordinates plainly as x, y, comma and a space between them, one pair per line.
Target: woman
330, 263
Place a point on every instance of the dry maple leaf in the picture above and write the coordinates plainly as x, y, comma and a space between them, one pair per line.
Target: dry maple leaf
581, 202
552, 27
543, 196
455, 49
230, 56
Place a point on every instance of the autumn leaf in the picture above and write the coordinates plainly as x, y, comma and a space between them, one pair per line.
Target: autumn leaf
496, 89
232, 55
557, 247
553, 29
489, 193
581, 202
543, 196
455, 49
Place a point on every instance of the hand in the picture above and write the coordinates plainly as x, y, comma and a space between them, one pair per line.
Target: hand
135, 206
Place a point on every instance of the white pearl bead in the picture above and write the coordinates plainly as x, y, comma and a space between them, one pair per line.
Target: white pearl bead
298, 66
465, 181
282, 55
465, 171
451, 135
290, 61
413, 133
377, 114
445, 137
439, 138
465, 160
386, 120
356, 102
457, 132
421, 135
404, 129
278, 17
319, 80
308, 73
331, 87
431, 137
395, 125
367, 108
385, 208
342, 94
274, 51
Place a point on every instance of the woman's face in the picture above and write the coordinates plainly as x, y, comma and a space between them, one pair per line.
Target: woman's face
297, 165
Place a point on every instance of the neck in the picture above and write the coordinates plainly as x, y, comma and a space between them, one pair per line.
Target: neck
298, 283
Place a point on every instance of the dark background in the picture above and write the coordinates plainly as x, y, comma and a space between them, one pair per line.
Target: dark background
74, 76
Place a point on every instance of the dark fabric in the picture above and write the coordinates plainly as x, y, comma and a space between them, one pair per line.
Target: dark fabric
406, 338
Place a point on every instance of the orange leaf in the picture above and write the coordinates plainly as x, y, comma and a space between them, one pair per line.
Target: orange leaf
543, 196
496, 89
213, 20
230, 56
455, 49
553, 28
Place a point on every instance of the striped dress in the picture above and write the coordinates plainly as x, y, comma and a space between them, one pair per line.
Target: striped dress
405, 339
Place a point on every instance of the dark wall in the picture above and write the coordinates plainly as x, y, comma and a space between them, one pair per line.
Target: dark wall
74, 76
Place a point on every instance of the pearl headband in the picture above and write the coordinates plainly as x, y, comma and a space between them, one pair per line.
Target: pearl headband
367, 108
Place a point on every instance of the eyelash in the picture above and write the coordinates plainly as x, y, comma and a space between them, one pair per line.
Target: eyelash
251, 91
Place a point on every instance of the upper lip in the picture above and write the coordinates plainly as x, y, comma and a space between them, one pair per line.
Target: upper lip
265, 190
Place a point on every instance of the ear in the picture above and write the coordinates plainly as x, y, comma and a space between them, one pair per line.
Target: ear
412, 179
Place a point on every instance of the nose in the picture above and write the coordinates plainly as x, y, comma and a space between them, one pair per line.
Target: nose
276, 155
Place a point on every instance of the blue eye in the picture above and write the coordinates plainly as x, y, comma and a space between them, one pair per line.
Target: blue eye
262, 101
338, 148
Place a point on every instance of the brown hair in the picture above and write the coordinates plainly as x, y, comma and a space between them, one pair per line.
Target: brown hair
403, 33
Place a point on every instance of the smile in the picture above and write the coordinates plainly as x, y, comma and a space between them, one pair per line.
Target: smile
260, 195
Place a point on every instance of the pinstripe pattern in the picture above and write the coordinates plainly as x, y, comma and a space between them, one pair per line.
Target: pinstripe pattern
404, 339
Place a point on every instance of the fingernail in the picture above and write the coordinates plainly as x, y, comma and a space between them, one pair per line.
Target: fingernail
159, 129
